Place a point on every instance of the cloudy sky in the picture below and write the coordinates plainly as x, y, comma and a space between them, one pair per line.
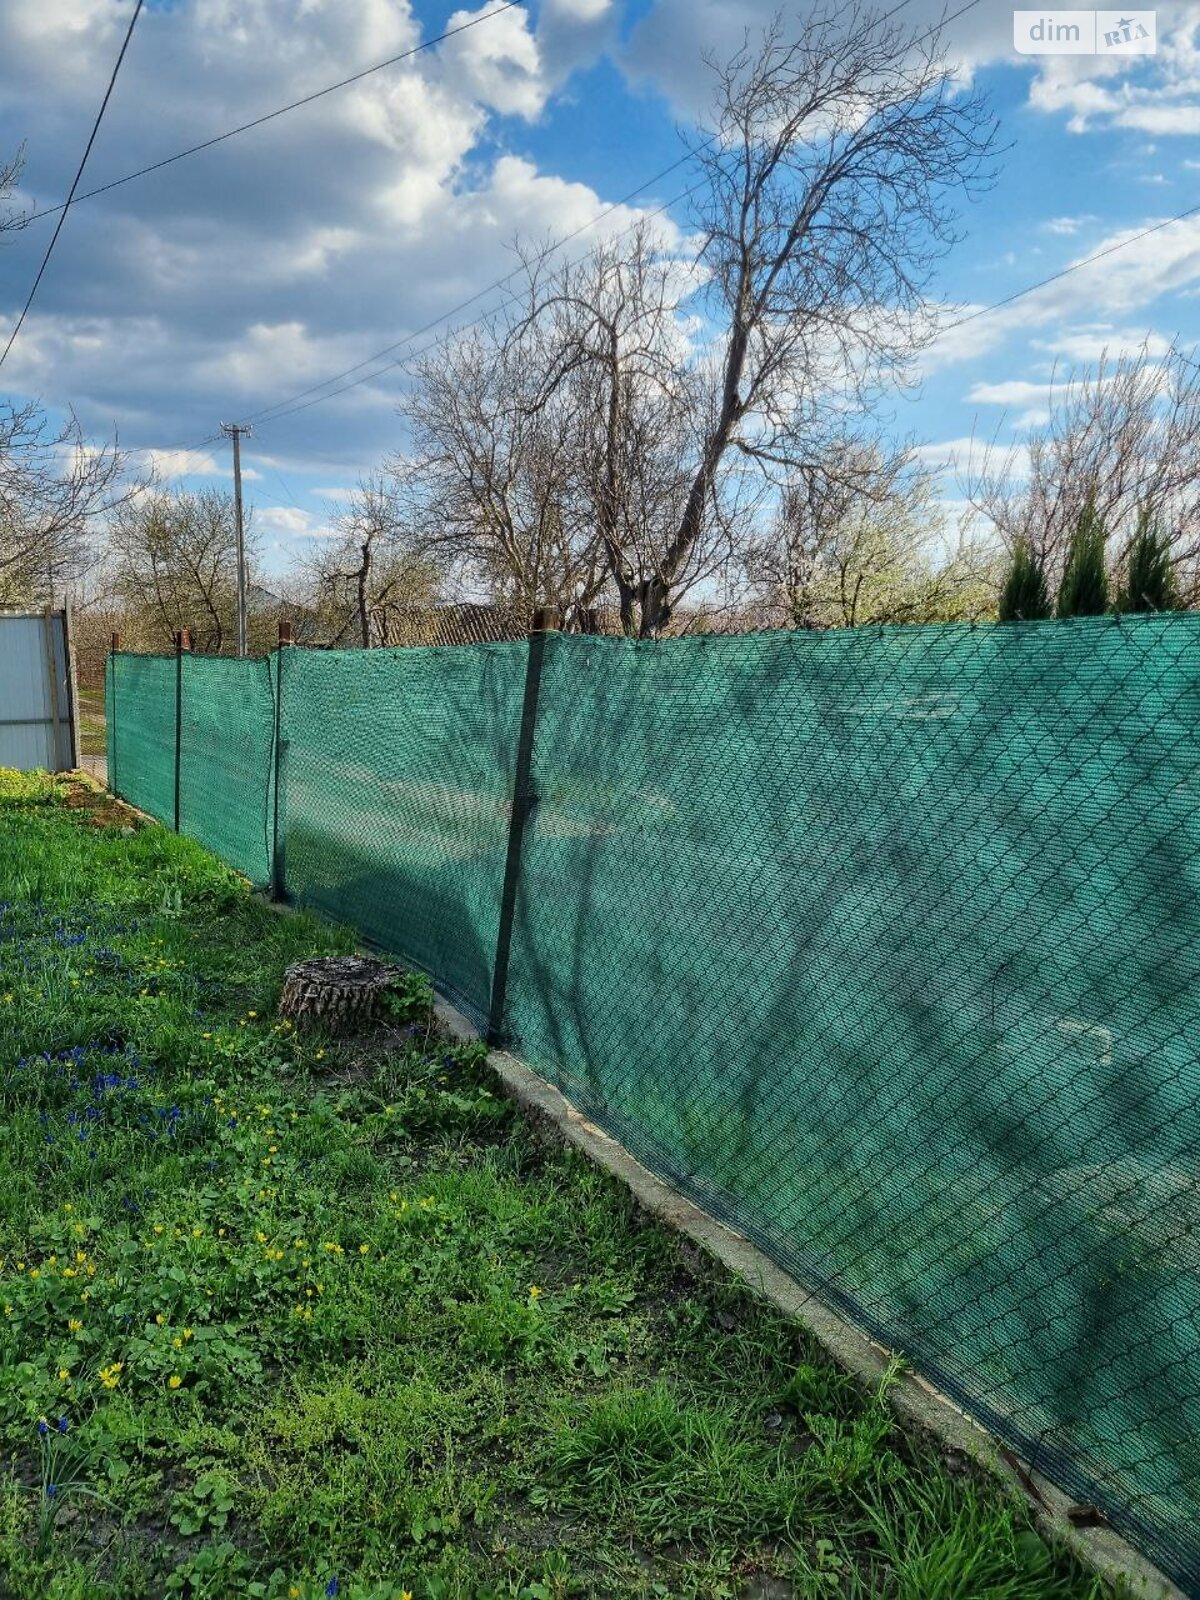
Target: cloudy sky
226, 283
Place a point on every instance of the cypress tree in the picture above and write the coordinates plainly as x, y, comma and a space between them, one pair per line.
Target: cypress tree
1024, 597
1084, 588
1150, 578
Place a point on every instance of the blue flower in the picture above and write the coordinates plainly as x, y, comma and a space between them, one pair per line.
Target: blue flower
331, 1588
63, 1424
43, 1429
51, 1490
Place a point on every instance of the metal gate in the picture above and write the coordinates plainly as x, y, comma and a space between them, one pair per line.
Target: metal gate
39, 720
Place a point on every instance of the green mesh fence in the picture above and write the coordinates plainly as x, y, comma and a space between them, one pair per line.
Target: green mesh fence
140, 708
226, 765
883, 944
396, 787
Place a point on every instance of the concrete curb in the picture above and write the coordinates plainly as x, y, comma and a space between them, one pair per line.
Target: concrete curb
915, 1401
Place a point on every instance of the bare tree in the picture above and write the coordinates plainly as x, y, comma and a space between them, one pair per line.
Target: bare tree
493, 471
1126, 433
54, 488
616, 428
368, 576
618, 363
173, 564
830, 174
10, 173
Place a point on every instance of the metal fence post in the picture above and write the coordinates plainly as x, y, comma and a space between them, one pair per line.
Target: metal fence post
545, 620
72, 682
278, 750
183, 644
110, 711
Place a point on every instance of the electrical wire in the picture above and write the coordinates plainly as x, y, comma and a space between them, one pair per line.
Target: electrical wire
1085, 261
270, 116
78, 175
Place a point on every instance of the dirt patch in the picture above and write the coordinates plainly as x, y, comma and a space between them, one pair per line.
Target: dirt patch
103, 810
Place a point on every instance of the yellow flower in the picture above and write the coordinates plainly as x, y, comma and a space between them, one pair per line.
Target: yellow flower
188, 1332
364, 1249
174, 1381
534, 1292
160, 1319
177, 1343
74, 1325
294, 1593
67, 1206
158, 1227
320, 1055
110, 1376
206, 1036
35, 1272
8, 1311
261, 1237
63, 1374
197, 1233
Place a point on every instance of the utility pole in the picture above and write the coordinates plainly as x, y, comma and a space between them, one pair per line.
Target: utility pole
234, 431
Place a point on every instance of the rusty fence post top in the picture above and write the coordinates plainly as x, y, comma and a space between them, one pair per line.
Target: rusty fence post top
286, 635
115, 643
183, 640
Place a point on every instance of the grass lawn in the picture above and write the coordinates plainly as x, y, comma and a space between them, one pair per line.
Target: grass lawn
286, 1317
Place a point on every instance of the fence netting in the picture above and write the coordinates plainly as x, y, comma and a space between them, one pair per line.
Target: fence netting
884, 944
396, 785
140, 711
226, 765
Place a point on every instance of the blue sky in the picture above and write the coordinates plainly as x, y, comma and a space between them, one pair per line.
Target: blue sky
221, 285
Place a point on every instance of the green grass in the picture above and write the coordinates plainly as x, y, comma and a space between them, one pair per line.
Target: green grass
312, 1311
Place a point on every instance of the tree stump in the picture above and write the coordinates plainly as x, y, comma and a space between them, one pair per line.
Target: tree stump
336, 992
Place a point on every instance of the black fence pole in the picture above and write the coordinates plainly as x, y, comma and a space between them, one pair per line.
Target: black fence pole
183, 643
545, 621
278, 830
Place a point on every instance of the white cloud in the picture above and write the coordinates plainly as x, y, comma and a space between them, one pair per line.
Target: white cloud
289, 522
1069, 225
181, 463
498, 62
1087, 344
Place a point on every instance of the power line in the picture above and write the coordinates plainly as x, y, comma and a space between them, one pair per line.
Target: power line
78, 175
1098, 255
270, 116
